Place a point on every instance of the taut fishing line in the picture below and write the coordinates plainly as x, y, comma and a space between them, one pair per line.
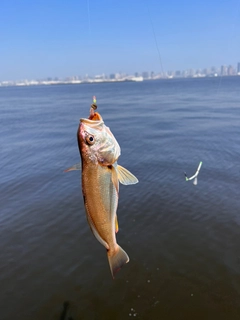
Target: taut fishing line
160, 60
155, 38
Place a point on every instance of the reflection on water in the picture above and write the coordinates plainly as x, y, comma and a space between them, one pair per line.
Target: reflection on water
182, 240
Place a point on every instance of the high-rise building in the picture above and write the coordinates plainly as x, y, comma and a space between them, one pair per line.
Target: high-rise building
223, 70
230, 71
191, 72
178, 73
145, 75
238, 68
184, 73
205, 71
213, 70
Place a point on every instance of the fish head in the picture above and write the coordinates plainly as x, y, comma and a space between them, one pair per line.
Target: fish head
96, 142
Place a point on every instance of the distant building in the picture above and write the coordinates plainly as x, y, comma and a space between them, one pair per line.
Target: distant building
145, 75
230, 71
184, 73
205, 71
223, 70
177, 73
100, 77
112, 76
213, 70
238, 68
190, 73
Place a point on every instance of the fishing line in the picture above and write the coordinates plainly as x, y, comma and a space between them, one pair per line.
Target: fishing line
160, 60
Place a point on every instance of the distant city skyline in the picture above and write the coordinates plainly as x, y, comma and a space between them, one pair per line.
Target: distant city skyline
55, 38
223, 70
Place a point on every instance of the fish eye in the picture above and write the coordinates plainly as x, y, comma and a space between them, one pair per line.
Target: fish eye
90, 139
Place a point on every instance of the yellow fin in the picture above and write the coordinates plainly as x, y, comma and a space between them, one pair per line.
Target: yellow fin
125, 176
116, 225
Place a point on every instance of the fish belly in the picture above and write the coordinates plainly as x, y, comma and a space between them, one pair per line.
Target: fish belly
101, 200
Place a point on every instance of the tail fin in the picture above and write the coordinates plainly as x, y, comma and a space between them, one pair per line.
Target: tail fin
117, 260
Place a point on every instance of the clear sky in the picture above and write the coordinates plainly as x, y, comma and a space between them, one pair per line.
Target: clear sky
48, 38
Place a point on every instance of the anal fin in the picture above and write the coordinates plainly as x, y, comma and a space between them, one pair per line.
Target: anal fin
116, 224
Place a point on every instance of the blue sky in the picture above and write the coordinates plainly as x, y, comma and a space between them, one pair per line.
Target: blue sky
51, 38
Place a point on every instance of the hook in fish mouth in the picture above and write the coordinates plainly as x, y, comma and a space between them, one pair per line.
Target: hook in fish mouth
92, 123
86, 120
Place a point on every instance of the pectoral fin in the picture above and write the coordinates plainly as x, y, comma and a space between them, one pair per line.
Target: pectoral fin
125, 176
76, 166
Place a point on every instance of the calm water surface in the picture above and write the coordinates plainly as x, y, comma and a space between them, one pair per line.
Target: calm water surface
183, 240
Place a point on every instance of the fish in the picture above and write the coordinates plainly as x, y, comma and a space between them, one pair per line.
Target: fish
101, 174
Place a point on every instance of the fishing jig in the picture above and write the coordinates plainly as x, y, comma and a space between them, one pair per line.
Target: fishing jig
195, 175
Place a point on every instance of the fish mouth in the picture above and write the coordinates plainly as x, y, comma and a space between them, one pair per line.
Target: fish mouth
89, 122
92, 123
